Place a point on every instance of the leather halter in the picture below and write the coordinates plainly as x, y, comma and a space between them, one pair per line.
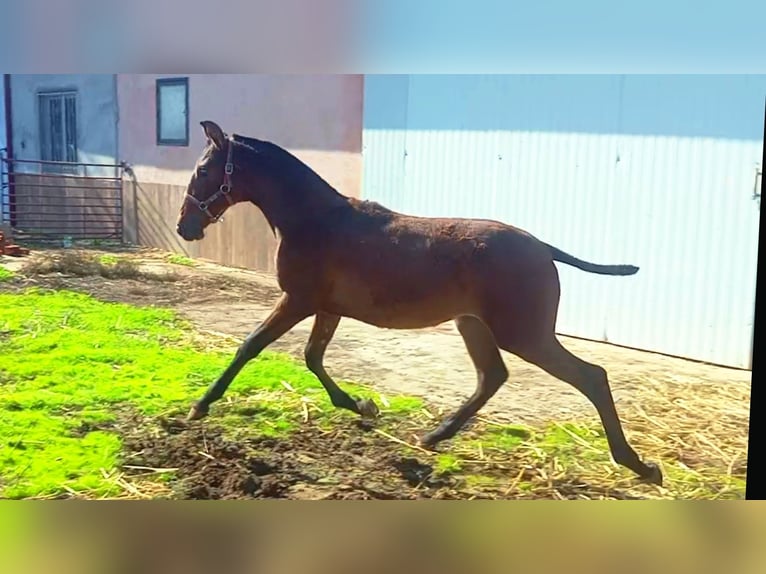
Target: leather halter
224, 190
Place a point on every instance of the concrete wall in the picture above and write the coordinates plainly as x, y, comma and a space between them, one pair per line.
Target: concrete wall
317, 118
96, 117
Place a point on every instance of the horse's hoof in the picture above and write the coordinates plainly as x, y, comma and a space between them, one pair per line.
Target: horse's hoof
428, 442
653, 474
367, 408
197, 412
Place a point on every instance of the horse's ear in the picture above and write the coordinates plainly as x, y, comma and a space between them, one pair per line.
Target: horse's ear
214, 133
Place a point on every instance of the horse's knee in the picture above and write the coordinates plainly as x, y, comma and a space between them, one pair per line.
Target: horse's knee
248, 349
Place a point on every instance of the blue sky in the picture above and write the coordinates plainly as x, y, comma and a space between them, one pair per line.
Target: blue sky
673, 36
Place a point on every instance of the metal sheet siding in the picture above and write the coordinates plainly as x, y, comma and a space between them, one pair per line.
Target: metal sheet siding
652, 170
385, 100
684, 202
693, 229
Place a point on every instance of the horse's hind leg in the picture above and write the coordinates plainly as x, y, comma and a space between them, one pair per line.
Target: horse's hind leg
491, 373
321, 334
591, 380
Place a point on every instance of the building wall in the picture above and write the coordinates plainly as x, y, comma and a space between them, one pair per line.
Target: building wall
2, 119
50, 205
96, 117
317, 118
3, 188
657, 171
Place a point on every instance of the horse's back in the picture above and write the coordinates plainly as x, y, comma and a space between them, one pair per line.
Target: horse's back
403, 271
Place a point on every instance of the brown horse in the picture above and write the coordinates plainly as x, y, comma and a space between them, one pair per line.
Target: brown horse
342, 257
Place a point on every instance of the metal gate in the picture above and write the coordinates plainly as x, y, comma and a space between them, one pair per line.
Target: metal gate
4, 213
51, 200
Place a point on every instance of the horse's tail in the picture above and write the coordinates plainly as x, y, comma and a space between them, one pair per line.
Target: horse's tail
562, 257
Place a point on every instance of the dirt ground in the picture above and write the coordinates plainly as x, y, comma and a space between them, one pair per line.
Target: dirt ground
310, 464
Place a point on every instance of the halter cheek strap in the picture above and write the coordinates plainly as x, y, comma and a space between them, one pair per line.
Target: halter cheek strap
223, 191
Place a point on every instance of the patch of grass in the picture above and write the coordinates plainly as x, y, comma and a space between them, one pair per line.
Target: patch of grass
6, 274
177, 259
108, 259
506, 437
480, 481
84, 264
39, 456
70, 365
447, 464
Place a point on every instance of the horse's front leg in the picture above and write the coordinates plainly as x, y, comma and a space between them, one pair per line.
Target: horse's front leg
324, 328
284, 317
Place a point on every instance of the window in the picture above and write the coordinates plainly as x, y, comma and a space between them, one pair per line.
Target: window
173, 111
58, 129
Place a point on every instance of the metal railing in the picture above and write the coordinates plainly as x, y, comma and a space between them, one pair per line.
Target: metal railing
4, 190
49, 200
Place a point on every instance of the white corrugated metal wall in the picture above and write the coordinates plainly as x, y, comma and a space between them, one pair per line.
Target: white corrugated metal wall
658, 171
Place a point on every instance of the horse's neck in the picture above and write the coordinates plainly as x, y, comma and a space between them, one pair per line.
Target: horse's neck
292, 196
292, 210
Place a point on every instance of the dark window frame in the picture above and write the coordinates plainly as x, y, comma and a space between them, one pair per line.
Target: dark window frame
166, 82
63, 95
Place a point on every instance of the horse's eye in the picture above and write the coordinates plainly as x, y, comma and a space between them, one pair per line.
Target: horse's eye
202, 171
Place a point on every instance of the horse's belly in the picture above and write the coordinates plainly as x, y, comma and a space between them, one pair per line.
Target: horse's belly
400, 316
399, 303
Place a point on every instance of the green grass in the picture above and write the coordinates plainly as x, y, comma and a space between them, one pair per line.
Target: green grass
6, 274
177, 259
68, 362
72, 368
447, 464
108, 259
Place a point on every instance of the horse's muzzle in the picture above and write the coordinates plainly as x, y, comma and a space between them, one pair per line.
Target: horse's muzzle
188, 234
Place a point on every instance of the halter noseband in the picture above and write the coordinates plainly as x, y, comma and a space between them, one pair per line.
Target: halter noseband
224, 190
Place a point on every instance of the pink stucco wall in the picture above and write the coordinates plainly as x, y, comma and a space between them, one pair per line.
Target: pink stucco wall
316, 117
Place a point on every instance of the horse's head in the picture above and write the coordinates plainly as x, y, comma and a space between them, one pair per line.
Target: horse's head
210, 190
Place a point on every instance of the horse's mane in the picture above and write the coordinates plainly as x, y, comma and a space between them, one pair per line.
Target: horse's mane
278, 157
258, 145
295, 170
